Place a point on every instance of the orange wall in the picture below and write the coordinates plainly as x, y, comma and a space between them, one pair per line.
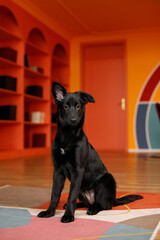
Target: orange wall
143, 54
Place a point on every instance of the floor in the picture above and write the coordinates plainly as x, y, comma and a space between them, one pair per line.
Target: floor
133, 172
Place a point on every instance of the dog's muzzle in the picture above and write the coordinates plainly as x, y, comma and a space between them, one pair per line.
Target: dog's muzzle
73, 120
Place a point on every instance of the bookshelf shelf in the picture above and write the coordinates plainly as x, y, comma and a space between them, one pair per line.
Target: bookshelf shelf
59, 62
4, 122
37, 56
36, 124
4, 63
30, 98
33, 74
32, 42
60, 65
33, 49
5, 35
5, 92
10, 37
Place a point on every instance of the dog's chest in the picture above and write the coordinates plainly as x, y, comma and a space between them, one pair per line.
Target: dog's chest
66, 163
67, 169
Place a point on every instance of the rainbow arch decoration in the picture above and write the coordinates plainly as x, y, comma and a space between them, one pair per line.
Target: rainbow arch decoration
147, 113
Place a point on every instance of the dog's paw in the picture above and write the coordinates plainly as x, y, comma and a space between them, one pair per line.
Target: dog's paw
67, 218
92, 211
46, 214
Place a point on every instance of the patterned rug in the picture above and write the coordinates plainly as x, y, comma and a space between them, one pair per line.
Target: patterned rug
19, 207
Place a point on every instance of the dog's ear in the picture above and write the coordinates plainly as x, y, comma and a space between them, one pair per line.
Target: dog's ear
85, 97
58, 92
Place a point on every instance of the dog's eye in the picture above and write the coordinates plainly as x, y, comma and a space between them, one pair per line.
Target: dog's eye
66, 107
78, 107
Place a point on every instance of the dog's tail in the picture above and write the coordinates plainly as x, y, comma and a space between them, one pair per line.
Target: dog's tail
126, 199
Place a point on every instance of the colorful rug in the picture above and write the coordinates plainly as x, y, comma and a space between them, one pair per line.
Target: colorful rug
19, 207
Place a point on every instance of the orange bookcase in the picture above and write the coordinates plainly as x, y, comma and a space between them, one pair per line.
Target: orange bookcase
42, 57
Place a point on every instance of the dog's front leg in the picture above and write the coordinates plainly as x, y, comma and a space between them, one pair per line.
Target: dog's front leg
76, 179
58, 184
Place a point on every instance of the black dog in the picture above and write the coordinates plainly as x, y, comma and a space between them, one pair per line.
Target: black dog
74, 158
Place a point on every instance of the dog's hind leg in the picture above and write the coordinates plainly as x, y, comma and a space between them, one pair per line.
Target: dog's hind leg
105, 194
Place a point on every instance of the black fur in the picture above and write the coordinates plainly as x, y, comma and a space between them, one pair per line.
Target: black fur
74, 158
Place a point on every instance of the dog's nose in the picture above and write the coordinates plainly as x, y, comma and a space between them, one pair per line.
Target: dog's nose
73, 120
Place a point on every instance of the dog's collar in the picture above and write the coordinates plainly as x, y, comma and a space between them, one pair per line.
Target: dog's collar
62, 151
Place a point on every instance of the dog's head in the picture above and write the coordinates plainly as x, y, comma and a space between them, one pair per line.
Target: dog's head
70, 106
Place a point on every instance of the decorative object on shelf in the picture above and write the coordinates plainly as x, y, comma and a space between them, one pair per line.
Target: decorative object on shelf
8, 82
26, 63
36, 69
39, 140
37, 117
35, 90
8, 53
8, 112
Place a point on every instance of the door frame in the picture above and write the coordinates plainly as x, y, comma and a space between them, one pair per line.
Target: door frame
82, 59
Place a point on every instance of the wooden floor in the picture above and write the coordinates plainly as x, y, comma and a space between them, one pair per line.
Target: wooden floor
133, 172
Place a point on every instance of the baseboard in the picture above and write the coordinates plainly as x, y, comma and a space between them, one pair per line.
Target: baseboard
144, 150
